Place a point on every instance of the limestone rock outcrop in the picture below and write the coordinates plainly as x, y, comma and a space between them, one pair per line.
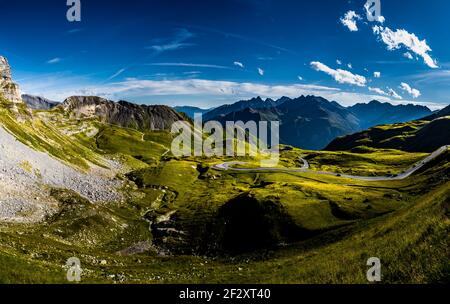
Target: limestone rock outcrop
8, 89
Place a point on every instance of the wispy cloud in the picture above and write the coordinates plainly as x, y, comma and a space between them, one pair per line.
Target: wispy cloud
74, 31
119, 72
243, 38
394, 94
175, 43
261, 71
54, 60
433, 77
191, 65
377, 74
239, 64
341, 76
378, 91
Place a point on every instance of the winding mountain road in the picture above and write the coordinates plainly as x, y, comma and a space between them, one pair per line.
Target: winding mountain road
305, 169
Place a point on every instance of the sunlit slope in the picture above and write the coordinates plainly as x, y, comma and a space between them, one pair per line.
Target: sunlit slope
41, 134
416, 136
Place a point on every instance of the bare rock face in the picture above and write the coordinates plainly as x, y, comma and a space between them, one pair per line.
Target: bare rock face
8, 88
122, 113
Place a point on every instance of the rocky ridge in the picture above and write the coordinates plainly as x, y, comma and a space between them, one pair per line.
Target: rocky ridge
122, 113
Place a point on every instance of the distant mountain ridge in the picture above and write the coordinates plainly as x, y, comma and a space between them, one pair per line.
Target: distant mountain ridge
377, 113
308, 122
38, 103
312, 122
122, 113
254, 103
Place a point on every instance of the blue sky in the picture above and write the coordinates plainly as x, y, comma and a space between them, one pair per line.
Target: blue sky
206, 53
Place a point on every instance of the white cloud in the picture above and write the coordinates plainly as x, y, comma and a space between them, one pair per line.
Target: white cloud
300, 78
394, 40
349, 20
54, 60
378, 91
408, 55
341, 76
377, 74
411, 91
394, 94
350, 66
339, 62
261, 72
239, 64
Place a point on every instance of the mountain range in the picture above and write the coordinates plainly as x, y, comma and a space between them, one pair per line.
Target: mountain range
308, 122
312, 122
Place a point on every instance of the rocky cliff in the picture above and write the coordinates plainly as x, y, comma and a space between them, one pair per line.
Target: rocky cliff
8, 88
122, 113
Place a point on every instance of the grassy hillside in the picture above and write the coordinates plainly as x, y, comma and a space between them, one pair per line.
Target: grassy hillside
416, 136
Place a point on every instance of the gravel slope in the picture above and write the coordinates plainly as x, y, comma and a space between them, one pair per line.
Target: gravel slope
25, 175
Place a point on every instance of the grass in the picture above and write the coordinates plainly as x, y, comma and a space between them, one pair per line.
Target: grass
380, 162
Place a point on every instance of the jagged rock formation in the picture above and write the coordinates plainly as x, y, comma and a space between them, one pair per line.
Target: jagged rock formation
122, 113
38, 103
8, 88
